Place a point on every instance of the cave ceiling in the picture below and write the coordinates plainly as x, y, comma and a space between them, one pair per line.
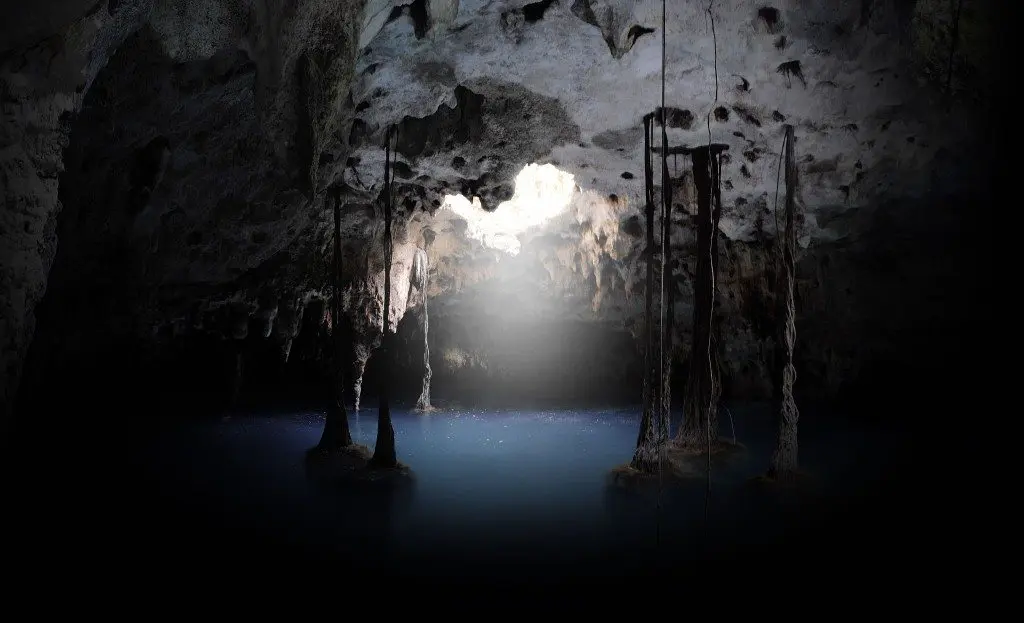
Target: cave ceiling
190, 149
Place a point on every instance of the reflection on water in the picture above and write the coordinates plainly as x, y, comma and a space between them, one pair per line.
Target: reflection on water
490, 486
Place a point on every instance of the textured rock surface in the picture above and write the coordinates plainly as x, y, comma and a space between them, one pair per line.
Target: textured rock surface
194, 179
42, 85
876, 148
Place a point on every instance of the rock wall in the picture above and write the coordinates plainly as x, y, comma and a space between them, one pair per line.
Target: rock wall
43, 82
210, 135
183, 153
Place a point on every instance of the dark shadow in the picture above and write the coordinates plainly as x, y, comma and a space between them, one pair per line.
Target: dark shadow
420, 18
365, 502
657, 524
534, 12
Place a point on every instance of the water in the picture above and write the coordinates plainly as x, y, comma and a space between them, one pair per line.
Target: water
494, 491
498, 494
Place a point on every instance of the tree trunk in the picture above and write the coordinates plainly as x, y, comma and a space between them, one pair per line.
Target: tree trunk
784, 460
646, 456
700, 401
423, 403
336, 433
384, 455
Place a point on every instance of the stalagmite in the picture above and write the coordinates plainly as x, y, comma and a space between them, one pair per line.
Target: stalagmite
384, 455
645, 458
420, 278
784, 460
700, 401
336, 433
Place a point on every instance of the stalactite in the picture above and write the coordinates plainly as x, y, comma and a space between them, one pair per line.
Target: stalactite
784, 459
361, 357
384, 455
288, 323
336, 433
423, 402
646, 456
700, 401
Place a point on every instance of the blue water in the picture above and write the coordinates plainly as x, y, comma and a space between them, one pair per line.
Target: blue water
493, 488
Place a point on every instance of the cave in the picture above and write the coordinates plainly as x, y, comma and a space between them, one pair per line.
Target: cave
234, 237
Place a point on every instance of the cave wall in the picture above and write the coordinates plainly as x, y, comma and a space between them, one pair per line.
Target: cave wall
210, 134
47, 65
181, 152
883, 314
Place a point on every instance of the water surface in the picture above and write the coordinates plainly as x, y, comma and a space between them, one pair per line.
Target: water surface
492, 488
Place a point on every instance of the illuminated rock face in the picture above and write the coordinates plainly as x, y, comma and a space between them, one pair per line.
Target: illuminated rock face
202, 140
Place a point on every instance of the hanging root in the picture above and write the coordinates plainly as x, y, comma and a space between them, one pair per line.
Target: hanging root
776, 247
662, 415
711, 264
643, 457
384, 454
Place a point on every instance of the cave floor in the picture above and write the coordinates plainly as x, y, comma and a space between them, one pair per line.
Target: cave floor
510, 493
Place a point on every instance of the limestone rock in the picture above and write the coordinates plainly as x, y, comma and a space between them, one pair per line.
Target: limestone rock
181, 153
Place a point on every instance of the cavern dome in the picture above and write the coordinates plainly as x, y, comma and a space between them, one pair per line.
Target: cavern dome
549, 249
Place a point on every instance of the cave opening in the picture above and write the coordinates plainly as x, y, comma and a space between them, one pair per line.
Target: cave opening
517, 329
